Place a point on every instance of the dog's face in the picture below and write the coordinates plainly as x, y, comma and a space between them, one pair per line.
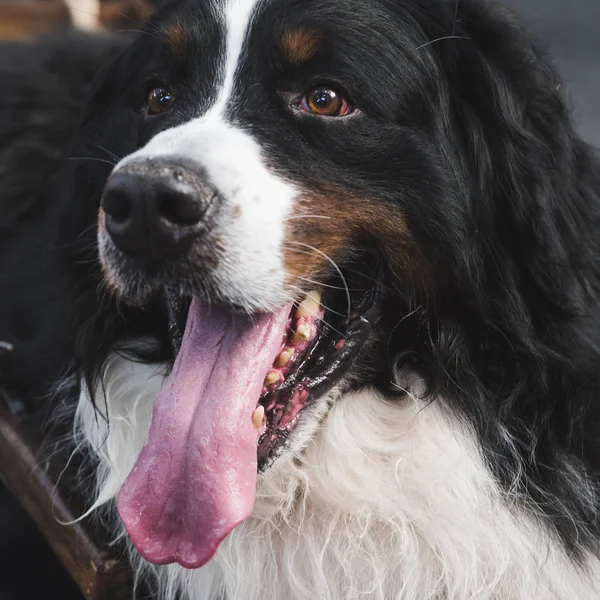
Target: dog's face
294, 183
297, 129
283, 149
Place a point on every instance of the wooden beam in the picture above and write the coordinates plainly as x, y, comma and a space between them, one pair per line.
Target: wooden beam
99, 575
28, 19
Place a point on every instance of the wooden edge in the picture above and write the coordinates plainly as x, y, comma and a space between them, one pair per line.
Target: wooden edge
26, 20
32, 18
98, 576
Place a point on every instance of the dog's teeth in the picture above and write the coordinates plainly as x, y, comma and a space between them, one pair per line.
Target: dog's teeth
258, 417
310, 306
272, 378
285, 357
302, 334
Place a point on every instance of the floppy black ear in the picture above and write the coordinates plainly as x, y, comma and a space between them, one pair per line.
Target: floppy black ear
531, 184
519, 355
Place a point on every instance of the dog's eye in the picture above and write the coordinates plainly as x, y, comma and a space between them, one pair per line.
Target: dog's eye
326, 102
160, 100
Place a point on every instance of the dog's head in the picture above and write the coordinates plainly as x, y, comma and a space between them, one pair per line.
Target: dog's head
316, 189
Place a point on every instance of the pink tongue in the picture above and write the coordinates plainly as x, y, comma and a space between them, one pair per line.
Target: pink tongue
195, 478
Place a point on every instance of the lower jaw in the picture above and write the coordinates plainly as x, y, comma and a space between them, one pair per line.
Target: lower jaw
319, 367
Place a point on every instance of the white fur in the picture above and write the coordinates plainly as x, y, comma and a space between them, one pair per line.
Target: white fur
238, 15
388, 501
255, 202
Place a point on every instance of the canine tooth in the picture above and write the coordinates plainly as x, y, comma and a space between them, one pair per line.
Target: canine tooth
258, 417
310, 306
302, 334
285, 357
271, 378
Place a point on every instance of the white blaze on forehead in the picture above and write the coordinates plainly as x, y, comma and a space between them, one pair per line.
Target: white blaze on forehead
237, 16
254, 202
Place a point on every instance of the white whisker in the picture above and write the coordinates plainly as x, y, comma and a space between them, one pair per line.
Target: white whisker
334, 264
446, 37
306, 217
102, 160
302, 293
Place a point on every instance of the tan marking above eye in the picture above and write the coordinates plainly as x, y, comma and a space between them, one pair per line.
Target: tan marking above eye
176, 39
300, 45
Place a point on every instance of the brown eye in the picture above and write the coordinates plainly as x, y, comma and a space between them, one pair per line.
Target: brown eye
326, 102
160, 100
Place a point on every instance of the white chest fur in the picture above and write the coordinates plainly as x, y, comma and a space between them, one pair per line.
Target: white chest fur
388, 501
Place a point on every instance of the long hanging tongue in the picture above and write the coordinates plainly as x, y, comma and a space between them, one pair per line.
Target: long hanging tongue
195, 478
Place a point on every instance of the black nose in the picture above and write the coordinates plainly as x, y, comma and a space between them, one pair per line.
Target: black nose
155, 210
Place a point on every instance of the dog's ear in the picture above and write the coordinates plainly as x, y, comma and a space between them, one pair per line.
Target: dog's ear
531, 183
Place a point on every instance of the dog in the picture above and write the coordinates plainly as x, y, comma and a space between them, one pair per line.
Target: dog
331, 274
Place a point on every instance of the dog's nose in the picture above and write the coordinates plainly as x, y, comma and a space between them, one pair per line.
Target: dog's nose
155, 211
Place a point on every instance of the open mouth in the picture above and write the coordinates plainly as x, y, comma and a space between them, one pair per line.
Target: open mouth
322, 337
239, 386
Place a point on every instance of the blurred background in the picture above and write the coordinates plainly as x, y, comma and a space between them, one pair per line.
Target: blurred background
569, 29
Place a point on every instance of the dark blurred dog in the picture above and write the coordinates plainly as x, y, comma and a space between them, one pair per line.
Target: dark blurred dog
39, 114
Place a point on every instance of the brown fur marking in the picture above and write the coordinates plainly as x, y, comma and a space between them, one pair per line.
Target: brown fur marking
299, 45
176, 39
348, 220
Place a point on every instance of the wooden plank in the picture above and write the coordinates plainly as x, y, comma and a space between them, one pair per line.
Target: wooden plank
28, 19
99, 575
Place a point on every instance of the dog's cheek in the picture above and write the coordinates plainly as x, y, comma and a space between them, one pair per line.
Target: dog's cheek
335, 227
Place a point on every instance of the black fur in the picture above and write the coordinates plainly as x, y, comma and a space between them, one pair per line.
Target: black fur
39, 114
471, 138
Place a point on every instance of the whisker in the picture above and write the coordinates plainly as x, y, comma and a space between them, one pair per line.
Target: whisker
126, 17
111, 154
102, 160
302, 292
322, 332
84, 12
410, 314
306, 217
446, 37
334, 264
138, 31
328, 285
296, 304
320, 283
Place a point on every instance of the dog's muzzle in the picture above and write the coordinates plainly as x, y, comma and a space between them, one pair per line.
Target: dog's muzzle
156, 209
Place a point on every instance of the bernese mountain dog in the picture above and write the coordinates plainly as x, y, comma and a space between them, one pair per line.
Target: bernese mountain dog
326, 276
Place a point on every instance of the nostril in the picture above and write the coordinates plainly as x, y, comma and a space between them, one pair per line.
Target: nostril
117, 204
180, 208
